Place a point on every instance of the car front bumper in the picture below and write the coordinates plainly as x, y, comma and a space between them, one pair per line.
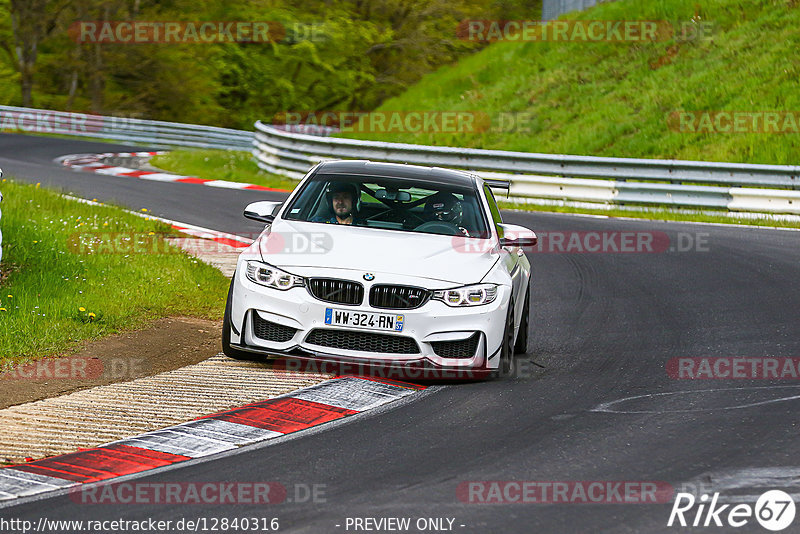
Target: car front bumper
428, 326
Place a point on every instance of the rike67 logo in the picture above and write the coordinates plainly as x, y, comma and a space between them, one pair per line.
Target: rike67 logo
774, 510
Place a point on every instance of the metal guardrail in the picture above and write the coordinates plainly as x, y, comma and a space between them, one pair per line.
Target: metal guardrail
551, 177
534, 177
552, 9
160, 134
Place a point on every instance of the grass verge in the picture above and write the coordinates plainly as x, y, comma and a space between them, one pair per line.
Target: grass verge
230, 165
55, 293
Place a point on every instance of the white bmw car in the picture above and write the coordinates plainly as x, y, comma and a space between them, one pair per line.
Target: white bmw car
384, 266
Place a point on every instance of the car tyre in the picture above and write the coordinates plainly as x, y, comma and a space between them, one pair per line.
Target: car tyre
229, 351
507, 366
521, 346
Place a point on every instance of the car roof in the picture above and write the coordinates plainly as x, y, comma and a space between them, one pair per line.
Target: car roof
435, 175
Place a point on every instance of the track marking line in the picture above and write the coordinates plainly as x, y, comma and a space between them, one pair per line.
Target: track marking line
609, 407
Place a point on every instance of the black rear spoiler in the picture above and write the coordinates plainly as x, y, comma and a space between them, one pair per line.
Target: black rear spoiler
498, 183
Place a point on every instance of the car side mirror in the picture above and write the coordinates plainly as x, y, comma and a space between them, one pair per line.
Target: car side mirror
263, 211
517, 236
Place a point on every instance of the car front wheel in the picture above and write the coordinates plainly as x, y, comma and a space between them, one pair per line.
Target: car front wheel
229, 351
507, 366
521, 346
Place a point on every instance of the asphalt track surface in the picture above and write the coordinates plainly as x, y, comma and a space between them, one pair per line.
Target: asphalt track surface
603, 327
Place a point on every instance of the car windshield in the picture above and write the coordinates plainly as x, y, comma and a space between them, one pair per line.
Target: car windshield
390, 204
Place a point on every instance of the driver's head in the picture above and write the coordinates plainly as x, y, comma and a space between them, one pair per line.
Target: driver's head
443, 207
342, 198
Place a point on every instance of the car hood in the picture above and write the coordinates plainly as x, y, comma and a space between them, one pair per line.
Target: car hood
329, 246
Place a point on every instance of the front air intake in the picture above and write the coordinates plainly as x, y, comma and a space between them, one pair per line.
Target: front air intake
336, 291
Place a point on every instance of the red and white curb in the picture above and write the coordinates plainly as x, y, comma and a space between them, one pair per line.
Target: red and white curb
226, 431
95, 163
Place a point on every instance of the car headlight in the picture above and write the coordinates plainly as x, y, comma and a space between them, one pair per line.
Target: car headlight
474, 295
269, 276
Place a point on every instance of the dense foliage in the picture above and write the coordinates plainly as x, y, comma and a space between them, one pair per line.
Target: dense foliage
342, 55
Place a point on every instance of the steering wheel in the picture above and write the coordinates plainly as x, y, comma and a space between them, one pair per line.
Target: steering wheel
438, 227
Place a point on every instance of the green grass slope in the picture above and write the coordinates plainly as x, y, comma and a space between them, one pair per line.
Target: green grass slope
614, 99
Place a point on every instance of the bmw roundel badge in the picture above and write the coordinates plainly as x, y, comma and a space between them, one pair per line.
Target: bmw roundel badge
369, 277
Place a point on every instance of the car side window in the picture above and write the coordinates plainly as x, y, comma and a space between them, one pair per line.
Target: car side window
495, 211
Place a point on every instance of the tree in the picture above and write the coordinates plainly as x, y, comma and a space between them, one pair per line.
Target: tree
31, 22
348, 55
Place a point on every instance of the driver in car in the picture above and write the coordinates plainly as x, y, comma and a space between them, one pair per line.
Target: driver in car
446, 208
343, 199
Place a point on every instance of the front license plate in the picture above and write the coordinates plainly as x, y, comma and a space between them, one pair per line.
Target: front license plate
373, 321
